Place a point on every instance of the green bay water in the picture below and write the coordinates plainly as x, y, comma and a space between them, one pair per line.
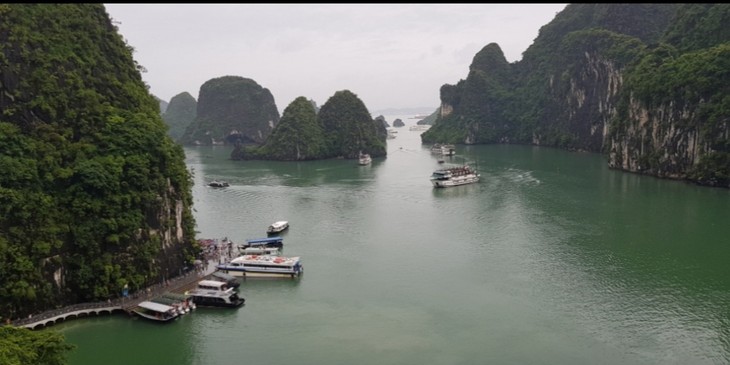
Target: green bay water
551, 259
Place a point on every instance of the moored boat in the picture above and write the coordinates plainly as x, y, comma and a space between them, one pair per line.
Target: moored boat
260, 250
274, 241
228, 279
263, 266
216, 298
454, 176
155, 311
214, 285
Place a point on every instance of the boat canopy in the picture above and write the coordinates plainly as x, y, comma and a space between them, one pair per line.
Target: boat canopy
263, 241
157, 307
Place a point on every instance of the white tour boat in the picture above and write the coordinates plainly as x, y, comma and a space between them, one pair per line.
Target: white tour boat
454, 176
263, 265
274, 241
260, 250
277, 227
214, 285
216, 298
364, 159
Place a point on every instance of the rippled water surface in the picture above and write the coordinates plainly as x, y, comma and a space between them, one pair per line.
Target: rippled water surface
551, 259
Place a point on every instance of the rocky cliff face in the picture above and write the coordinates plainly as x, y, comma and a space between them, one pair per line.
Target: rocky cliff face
232, 109
571, 90
95, 195
349, 128
180, 113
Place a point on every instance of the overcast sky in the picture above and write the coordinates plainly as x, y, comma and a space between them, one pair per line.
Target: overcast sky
390, 56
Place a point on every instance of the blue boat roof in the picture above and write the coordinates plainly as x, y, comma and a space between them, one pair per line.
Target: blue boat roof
265, 240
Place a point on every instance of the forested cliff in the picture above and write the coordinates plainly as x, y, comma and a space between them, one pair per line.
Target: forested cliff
646, 84
94, 194
179, 114
342, 128
232, 109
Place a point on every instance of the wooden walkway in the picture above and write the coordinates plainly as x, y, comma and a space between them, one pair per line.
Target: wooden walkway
176, 285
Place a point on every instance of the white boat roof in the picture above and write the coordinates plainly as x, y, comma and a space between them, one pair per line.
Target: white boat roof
279, 223
214, 283
157, 307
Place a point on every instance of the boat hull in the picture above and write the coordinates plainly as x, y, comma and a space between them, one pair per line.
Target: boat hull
210, 302
277, 227
154, 318
248, 273
455, 181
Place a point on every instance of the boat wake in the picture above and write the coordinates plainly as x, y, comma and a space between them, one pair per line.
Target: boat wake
521, 176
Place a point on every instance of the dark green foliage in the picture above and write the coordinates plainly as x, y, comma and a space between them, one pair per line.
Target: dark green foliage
699, 26
429, 120
653, 76
232, 109
93, 182
342, 128
696, 87
349, 128
163, 104
298, 136
477, 102
490, 60
21, 346
180, 114
382, 120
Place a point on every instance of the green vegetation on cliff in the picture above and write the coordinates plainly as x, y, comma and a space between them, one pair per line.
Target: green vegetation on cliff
342, 128
94, 194
232, 109
644, 83
180, 114
349, 128
298, 136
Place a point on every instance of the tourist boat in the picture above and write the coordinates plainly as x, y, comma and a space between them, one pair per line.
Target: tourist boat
364, 159
218, 184
179, 307
214, 285
443, 149
155, 311
454, 176
264, 266
183, 300
277, 227
274, 241
260, 250
216, 298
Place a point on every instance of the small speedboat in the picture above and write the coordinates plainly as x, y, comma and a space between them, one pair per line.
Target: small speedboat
218, 184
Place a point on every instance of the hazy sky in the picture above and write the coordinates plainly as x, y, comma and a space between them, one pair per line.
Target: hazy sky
390, 56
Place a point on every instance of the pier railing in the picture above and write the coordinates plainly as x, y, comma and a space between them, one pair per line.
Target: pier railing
125, 303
